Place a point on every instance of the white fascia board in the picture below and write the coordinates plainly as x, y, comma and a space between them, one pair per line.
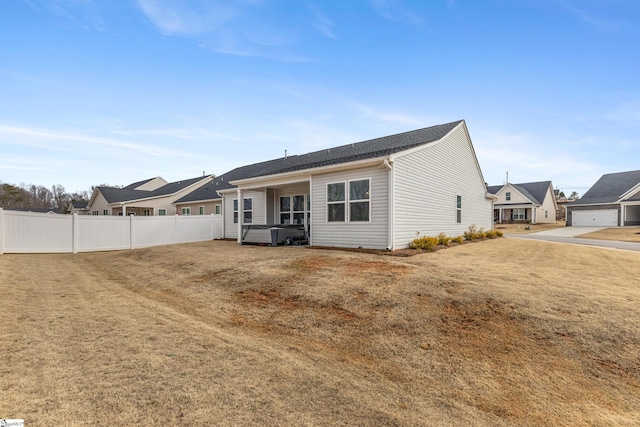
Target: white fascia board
630, 192
144, 199
302, 175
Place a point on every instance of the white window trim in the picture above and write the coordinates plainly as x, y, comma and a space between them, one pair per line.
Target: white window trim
344, 202
291, 211
186, 210
217, 209
524, 214
459, 209
201, 210
349, 201
95, 213
162, 212
237, 211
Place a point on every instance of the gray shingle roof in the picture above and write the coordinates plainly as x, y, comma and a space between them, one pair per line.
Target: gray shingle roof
347, 153
369, 149
534, 191
610, 187
135, 185
126, 194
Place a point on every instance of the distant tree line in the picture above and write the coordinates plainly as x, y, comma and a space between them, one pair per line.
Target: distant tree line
39, 197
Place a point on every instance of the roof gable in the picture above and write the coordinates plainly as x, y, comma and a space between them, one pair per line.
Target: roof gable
610, 188
534, 191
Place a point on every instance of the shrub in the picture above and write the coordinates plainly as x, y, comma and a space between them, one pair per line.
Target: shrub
458, 239
424, 242
471, 233
491, 234
443, 239
499, 233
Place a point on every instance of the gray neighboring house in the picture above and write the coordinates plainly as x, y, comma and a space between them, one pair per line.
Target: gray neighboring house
614, 200
379, 194
78, 206
529, 202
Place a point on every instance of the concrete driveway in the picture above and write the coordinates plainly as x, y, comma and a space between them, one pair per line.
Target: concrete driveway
567, 235
567, 231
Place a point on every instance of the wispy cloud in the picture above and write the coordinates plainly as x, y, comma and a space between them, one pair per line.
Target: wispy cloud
322, 23
68, 141
386, 116
395, 10
233, 27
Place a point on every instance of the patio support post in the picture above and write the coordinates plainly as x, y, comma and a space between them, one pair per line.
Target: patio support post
240, 215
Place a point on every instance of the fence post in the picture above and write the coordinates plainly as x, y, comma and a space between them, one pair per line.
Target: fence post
131, 231
74, 233
1, 231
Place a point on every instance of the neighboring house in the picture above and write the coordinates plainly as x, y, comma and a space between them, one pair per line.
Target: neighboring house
150, 197
379, 194
529, 202
614, 200
202, 201
78, 206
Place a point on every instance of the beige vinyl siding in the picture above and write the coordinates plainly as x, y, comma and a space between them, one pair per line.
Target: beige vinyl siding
372, 234
100, 204
426, 183
209, 207
548, 206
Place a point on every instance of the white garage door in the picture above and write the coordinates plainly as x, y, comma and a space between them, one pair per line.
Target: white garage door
595, 218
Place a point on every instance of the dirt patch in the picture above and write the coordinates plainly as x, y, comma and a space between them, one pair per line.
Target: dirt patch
495, 333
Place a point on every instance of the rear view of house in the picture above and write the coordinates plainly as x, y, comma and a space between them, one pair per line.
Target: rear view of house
381, 193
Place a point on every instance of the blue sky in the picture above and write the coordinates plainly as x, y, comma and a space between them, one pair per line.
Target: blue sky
116, 91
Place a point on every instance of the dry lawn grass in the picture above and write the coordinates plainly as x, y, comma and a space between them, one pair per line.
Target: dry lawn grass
623, 234
532, 228
494, 333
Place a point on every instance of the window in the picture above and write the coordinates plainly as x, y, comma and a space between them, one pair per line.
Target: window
336, 202
201, 210
459, 209
95, 213
359, 200
146, 212
162, 212
292, 212
186, 211
508, 195
518, 214
546, 214
105, 212
248, 210
218, 209
285, 210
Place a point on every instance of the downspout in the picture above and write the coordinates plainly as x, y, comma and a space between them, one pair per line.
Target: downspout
390, 203
240, 215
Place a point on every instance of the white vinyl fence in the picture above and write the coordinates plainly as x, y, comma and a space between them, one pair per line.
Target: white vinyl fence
30, 232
